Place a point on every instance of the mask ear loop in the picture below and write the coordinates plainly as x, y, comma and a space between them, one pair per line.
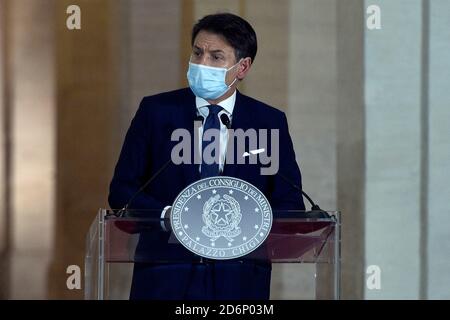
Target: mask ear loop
235, 65
235, 79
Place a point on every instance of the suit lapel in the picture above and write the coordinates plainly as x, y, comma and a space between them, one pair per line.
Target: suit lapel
189, 112
241, 120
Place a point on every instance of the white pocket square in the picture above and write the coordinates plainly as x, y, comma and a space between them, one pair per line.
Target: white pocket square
246, 154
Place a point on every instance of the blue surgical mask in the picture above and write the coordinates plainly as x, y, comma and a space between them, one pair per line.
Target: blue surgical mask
208, 82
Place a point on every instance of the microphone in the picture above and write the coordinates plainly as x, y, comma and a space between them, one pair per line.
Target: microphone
314, 206
225, 120
121, 212
199, 118
153, 177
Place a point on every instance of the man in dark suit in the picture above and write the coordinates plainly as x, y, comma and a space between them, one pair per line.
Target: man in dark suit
223, 49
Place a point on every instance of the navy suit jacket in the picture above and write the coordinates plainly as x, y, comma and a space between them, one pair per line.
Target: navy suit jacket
147, 147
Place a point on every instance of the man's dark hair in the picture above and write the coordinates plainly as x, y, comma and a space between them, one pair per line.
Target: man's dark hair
235, 30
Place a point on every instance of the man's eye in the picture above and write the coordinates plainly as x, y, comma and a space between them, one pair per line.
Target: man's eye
196, 54
217, 57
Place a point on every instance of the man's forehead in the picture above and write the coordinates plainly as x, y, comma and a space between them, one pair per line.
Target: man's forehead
211, 42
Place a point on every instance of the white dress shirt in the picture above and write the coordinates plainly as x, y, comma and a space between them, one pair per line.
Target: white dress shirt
202, 109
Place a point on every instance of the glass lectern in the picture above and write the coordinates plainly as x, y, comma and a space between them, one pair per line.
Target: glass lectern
297, 238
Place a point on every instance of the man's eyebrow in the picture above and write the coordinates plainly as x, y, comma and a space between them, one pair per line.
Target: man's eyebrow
212, 51
217, 51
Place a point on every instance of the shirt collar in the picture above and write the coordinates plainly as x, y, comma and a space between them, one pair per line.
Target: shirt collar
227, 105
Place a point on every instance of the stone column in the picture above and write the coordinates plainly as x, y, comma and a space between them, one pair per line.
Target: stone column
205, 7
350, 156
268, 79
87, 105
436, 160
5, 187
311, 84
393, 129
28, 120
312, 95
150, 68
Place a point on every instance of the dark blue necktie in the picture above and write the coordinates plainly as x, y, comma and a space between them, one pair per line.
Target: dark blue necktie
212, 122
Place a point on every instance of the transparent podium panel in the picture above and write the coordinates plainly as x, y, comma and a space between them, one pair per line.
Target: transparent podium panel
302, 246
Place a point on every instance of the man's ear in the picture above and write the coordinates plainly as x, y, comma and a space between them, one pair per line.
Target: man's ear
244, 68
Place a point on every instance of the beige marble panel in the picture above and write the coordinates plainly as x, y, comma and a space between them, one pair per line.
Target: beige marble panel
205, 7
87, 112
153, 41
33, 144
350, 115
4, 75
312, 96
5, 213
268, 79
